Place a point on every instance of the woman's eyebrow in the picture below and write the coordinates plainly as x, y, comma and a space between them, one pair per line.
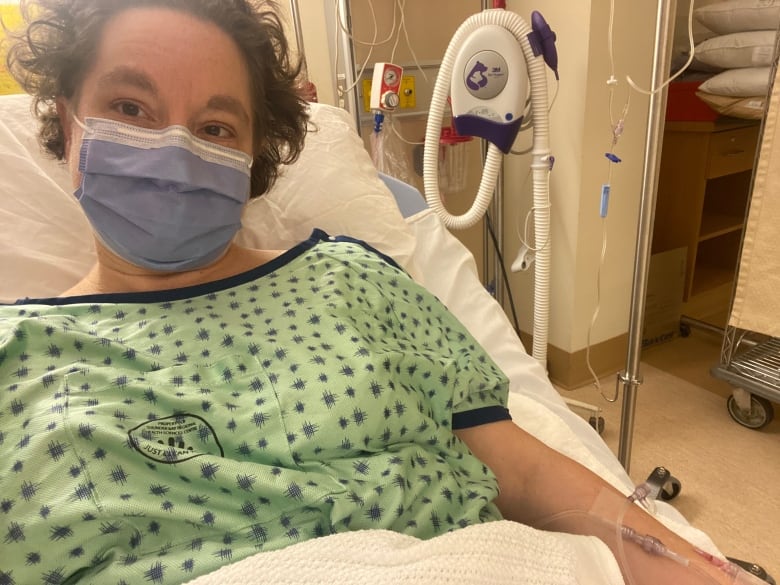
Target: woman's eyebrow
228, 104
126, 75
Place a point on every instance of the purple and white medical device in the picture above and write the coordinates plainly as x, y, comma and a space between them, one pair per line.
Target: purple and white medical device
493, 63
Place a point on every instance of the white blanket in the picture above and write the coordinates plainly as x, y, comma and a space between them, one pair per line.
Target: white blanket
496, 553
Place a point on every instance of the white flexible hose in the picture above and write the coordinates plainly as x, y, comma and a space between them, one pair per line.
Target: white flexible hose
540, 163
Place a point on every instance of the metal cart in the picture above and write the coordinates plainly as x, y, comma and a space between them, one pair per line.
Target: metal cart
751, 363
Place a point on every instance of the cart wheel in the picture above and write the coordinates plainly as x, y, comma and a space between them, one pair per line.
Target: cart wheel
760, 414
671, 489
597, 423
685, 330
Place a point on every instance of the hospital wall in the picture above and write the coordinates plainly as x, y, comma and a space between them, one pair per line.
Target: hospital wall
580, 135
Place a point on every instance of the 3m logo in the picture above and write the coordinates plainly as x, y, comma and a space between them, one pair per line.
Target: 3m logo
175, 438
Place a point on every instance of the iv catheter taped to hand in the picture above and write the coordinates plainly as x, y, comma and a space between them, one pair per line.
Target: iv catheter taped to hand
643, 558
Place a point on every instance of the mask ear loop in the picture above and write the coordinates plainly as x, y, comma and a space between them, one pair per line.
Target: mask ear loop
79, 123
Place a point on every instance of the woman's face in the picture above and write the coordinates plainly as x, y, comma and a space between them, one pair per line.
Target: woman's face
157, 67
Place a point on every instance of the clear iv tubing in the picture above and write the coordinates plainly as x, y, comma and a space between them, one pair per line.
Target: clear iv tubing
540, 165
652, 546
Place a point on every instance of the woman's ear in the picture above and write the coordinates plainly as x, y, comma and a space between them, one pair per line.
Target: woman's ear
64, 113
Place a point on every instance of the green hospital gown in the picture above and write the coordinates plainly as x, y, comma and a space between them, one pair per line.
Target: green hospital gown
153, 437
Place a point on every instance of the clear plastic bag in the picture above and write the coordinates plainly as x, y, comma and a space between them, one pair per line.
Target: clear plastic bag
390, 155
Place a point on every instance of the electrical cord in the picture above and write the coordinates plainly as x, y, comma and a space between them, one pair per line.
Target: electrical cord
504, 275
682, 69
409, 44
399, 6
528, 119
524, 237
337, 7
391, 121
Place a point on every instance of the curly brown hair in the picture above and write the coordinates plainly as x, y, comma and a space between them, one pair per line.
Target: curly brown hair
51, 57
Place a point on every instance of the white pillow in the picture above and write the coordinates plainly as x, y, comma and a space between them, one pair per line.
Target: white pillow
739, 15
333, 186
747, 108
744, 49
746, 82
46, 243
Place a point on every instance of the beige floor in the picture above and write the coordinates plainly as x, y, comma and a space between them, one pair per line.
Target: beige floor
730, 474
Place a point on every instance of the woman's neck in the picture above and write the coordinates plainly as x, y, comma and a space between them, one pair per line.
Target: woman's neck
111, 274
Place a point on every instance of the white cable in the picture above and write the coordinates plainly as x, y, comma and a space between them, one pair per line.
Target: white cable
391, 122
400, 28
524, 238
540, 164
341, 92
594, 317
691, 45
529, 117
374, 43
402, 6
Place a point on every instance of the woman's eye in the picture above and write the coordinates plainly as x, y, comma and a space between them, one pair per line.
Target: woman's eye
216, 131
129, 109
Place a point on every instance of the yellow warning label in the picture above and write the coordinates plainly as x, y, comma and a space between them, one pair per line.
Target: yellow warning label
407, 92
366, 95
11, 19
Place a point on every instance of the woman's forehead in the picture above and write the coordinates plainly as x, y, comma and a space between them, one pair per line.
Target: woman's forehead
170, 52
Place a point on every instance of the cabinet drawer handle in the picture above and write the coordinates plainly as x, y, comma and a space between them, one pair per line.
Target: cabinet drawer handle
734, 153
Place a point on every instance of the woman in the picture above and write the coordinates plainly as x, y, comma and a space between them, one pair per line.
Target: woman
191, 402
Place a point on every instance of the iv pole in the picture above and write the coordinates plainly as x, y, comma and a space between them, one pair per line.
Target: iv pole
630, 377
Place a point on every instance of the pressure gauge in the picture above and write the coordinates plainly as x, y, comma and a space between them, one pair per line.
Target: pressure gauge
390, 77
385, 86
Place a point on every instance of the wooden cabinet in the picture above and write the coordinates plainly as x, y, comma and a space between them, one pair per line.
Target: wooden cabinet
703, 189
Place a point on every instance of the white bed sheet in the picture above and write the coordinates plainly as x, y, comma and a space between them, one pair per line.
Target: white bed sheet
45, 246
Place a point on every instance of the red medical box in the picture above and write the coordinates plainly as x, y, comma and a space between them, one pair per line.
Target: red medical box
682, 105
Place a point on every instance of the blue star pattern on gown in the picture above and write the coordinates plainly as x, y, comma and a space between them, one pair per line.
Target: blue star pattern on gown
151, 438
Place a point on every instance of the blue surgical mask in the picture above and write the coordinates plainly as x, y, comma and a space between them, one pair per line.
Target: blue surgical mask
161, 199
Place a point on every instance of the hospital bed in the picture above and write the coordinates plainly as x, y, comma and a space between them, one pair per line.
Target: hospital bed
46, 246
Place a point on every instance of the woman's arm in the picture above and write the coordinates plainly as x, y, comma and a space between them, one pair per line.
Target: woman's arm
537, 483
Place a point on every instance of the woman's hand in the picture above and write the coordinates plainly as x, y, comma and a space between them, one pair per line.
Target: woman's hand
542, 488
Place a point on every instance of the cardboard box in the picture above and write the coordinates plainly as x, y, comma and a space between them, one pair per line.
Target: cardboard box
664, 297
